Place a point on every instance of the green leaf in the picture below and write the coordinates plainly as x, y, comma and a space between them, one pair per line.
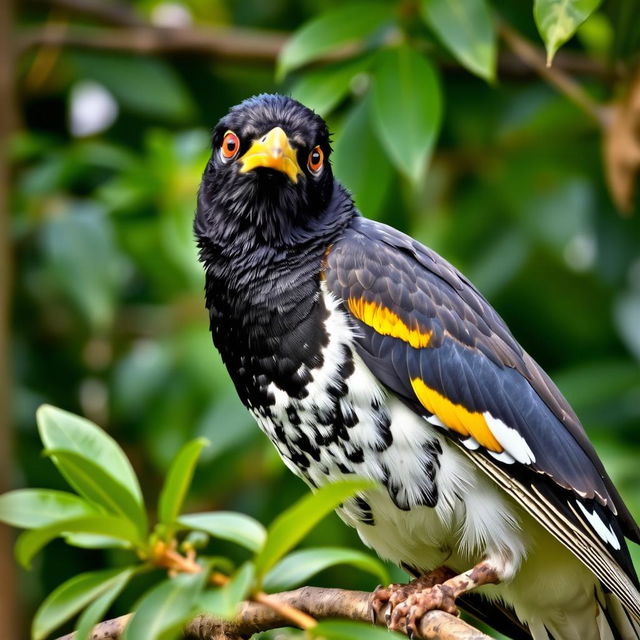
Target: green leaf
336, 28
92, 482
30, 542
407, 107
557, 20
360, 162
178, 480
466, 29
96, 611
223, 601
92, 541
63, 430
72, 596
297, 567
347, 630
293, 524
228, 525
322, 89
33, 508
161, 613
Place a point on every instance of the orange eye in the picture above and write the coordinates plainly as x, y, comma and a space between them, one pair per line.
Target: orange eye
315, 160
230, 145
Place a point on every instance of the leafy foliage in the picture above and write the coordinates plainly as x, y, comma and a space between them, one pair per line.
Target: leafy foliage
164, 608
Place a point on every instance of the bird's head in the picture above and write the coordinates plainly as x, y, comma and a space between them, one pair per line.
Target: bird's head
269, 171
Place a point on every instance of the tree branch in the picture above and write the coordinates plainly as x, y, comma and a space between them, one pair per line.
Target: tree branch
241, 45
314, 601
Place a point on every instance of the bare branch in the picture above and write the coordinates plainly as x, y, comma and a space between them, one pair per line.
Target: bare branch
314, 601
232, 44
245, 45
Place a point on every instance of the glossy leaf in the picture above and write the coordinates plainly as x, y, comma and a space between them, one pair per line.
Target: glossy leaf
299, 566
322, 89
228, 525
92, 482
32, 508
407, 108
63, 430
223, 601
93, 541
72, 596
292, 525
557, 20
348, 630
178, 480
162, 611
361, 163
96, 611
336, 28
466, 29
30, 542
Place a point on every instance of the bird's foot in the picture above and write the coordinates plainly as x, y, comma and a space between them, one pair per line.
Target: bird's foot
385, 600
407, 615
402, 607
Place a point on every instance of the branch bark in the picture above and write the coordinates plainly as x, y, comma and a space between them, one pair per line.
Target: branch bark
317, 602
232, 44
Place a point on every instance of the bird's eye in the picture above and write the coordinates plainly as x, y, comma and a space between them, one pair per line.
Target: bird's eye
315, 160
230, 145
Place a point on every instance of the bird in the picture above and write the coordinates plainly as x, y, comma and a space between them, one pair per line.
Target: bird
361, 352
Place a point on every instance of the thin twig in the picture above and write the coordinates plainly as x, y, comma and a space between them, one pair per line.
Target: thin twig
165, 555
566, 85
316, 602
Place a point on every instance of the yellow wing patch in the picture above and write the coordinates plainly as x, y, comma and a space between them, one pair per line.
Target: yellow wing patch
388, 323
455, 416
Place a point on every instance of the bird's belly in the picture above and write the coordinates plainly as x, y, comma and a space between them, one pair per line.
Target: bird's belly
432, 504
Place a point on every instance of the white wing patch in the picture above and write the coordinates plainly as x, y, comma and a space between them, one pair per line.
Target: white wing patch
503, 456
435, 421
512, 442
604, 531
471, 443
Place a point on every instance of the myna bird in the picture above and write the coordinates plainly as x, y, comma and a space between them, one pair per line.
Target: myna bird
360, 351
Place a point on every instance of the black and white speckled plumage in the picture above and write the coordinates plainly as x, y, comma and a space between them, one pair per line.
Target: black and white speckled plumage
337, 396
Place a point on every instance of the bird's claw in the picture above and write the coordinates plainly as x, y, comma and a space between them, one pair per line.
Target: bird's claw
407, 615
378, 609
402, 606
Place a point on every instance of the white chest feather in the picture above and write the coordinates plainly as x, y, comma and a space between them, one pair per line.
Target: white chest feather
432, 506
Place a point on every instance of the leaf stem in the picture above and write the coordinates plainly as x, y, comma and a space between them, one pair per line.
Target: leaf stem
564, 83
165, 555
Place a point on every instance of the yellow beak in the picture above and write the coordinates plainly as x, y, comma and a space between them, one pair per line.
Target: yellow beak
272, 151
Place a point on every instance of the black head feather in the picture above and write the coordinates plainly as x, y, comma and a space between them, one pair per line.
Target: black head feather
265, 202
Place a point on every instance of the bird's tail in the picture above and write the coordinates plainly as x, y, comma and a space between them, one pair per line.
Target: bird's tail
615, 622
612, 621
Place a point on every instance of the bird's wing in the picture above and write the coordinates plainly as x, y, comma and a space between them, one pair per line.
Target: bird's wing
430, 337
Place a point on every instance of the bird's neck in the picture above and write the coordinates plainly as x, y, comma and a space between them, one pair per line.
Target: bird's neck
248, 273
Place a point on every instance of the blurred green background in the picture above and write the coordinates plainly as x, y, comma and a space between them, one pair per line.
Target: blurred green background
108, 135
